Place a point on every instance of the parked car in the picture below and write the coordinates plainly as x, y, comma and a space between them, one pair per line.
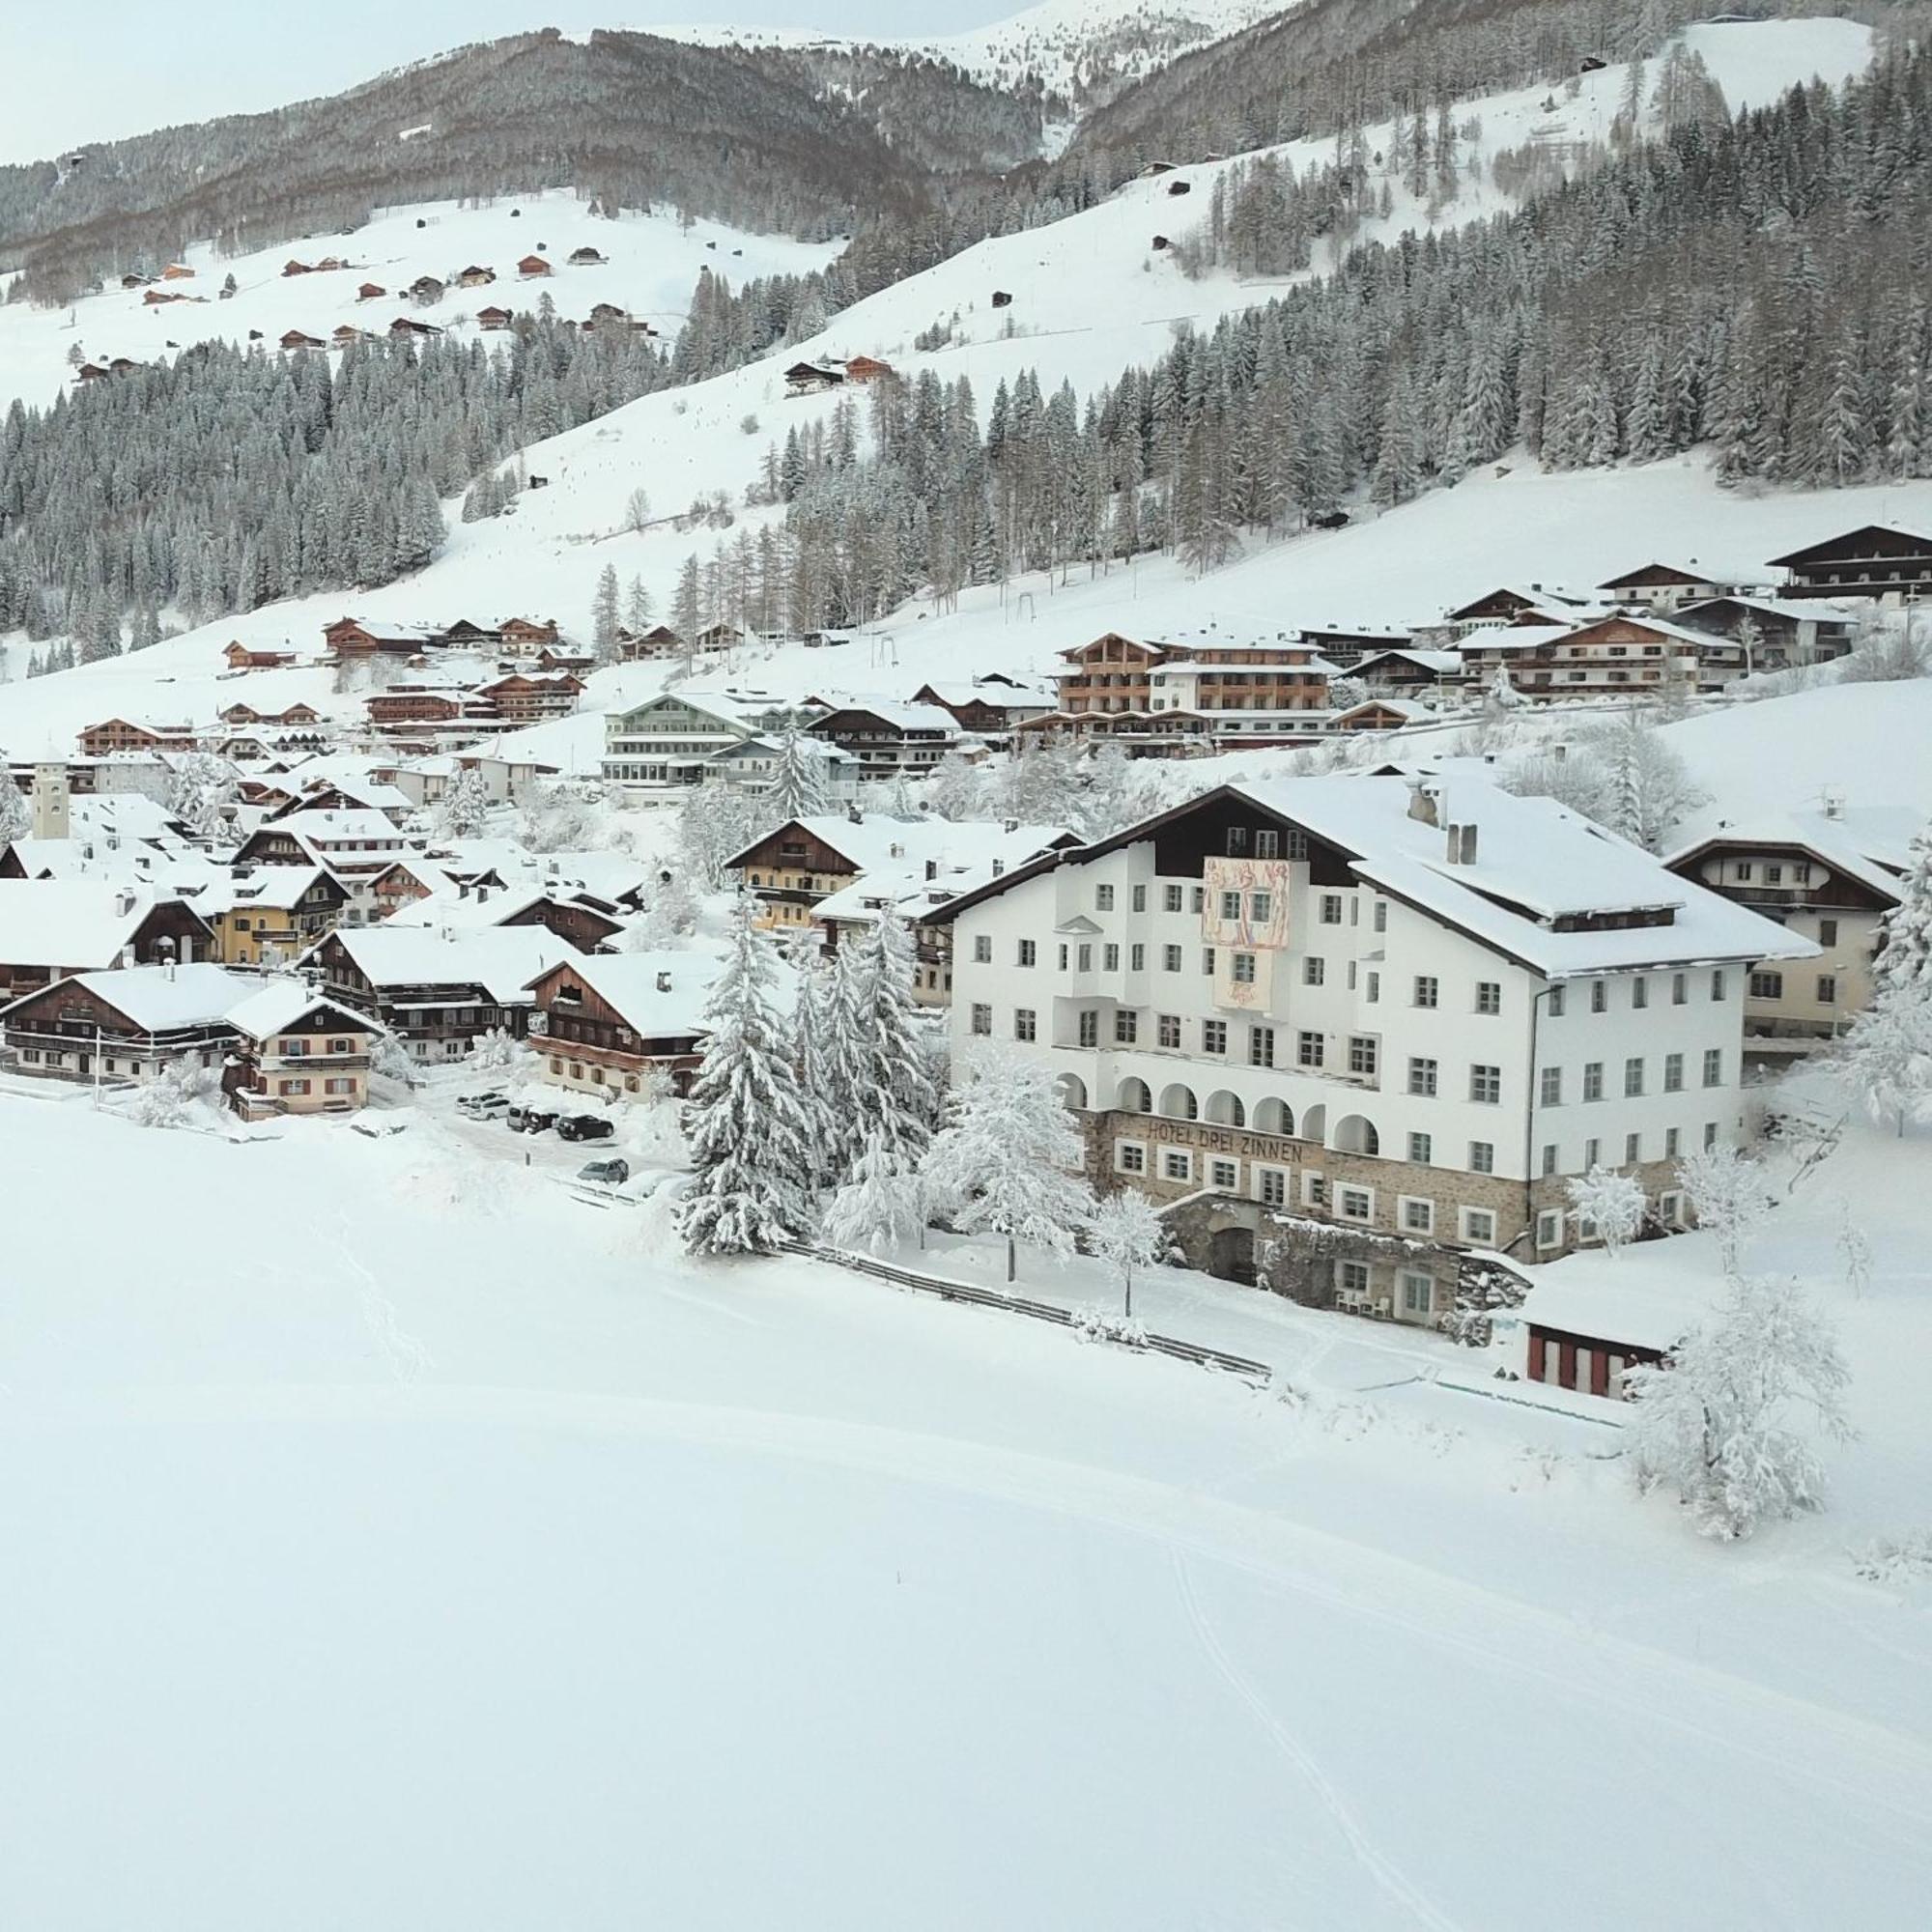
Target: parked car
586, 1126
472, 1103
613, 1171
539, 1120
489, 1106
516, 1118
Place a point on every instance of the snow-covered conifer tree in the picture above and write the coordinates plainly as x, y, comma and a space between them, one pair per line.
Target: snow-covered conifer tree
1609, 1203
745, 1118
604, 616
882, 1057
798, 788
1887, 1054
16, 821
881, 1206
1904, 963
1008, 1161
465, 808
1719, 1422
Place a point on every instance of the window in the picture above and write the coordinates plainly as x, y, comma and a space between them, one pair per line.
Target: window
1176, 1164
1237, 842
1127, 1027
1425, 990
1599, 996
1308, 1049
1593, 1153
1593, 1080
1026, 952
1632, 1150
1331, 909
1355, 1204
1110, 958
1418, 1217
1767, 985
1716, 985
1773, 875
1550, 1158
1827, 932
1479, 1225
1633, 1078
1551, 1086
293, 1086
1260, 1046
1421, 1149
1556, 1002
1090, 1027
1713, 1066
1208, 959
1709, 1133
1271, 1187
1170, 899
1261, 907
1375, 989
339, 1083
1129, 1157
1137, 959
1313, 1190
1025, 1023
1062, 958
1361, 1055
1827, 990
1197, 899
1486, 1084
1549, 1228
1169, 960
1744, 871
1670, 1209
1140, 899
1103, 898
1084, 959
1640, 993
1422, 1077
1673, 1073
1680, 988
1489, 996
1670, 1143
982, 1020
1213, 1036
1242, 969
1223, 1173
1379, 921
1231, 907
1314, 972
1482, 1156
1419, 1293
982, 948
1352, 1279
1167, 1029
1268, 842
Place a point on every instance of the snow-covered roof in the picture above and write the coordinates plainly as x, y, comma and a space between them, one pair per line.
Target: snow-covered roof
1871, 844
898, 712
1619, 1300
661, 995
1513, 638
1013, 696
1812, 611
279, 886
461, 906
77, 922
609, 876
157, 999
503, 959
334, 828
877, 843
1444, 663
274, 1005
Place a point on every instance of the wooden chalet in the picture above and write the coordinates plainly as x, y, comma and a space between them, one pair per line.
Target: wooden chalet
125, 1024
414, 707
1878, 560
113, 736
1406, 672
178, 271
475, 277
577, 663
245, 656
294, 338
425, 289
345, 333
1535, 605
463, 635
371, 292
1660, 586
284, 908
604, 313
523, 635
659, 642
987, 708
53, 929
1377, 714
156, 298
1617, 656
807, 379
291, 714
348, 637
889, 740
1345, 644
294, 268
869, 369
408, 325
533, 265
587, 258
1780, 632
494, 317
133, 281
607, 1025
90, 372
296, 1051
121, 365
524, 699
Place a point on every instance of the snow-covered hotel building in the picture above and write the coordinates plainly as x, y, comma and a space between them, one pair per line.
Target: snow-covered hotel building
1381, 1019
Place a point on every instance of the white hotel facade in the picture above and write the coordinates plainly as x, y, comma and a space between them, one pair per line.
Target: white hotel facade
1406, 1012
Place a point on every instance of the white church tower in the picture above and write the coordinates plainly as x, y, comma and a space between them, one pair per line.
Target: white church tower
51, 816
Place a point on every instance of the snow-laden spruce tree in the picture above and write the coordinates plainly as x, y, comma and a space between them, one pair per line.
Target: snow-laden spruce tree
1607, 1204
820, 1041
200, 786
604, 624
883, 1068
1729, 1194
745, 1118
465, 808
880, 1207
1126, 1230
1887, 1055
1008, 1160
798, 788
16, 821
1721, 1421
1904, 963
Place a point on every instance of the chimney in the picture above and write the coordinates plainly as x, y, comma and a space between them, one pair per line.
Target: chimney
123, 903
1462, 844
1834, 801
663, 982
1422, 801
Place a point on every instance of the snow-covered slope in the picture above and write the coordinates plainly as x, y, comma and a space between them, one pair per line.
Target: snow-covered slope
653, 264
1089, 298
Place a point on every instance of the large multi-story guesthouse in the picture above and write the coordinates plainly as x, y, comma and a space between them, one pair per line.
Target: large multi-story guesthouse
1610, 657
610, 1023
1877, 560
667, 739
1402, 1012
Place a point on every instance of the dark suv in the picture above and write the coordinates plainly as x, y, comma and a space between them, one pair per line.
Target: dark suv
586, 1126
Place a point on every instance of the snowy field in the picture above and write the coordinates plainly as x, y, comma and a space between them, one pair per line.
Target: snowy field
421, 1548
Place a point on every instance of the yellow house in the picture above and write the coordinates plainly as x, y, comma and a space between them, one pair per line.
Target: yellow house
299, 1052
279, 911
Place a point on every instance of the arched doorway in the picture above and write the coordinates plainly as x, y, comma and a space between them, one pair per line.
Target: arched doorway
1230, 1255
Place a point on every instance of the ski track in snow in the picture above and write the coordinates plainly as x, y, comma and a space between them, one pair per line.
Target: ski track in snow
1417, 1904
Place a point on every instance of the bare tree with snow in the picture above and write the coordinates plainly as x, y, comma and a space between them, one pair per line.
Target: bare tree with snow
1887, 1055
1722, 1422
1009, 1162
1608, 1205
1126, 1232
1730, 1194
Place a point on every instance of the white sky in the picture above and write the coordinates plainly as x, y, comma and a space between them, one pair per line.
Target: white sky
124, 67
